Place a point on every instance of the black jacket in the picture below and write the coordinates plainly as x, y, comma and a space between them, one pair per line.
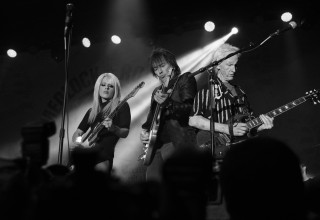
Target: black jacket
175, 111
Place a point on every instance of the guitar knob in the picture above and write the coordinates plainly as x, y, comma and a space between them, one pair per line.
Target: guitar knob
78, 139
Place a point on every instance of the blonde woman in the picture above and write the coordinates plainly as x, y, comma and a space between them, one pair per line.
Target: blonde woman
106, 97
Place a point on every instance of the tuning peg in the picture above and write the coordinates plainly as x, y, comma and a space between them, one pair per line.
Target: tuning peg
316, 101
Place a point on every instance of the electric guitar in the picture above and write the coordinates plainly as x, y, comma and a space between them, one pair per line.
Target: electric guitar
149, 150
223, 141
93, 135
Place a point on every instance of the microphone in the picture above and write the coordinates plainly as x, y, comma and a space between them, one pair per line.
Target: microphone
68, 21
292, 25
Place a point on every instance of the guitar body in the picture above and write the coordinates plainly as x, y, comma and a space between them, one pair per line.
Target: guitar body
151, 146
90, 138
222, 141
93, 140
87, 144
94, 136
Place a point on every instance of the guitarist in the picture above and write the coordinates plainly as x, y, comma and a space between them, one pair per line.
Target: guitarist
232, 101
106, 97
176, 99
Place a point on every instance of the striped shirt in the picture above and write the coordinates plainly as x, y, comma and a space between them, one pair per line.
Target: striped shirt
228, 103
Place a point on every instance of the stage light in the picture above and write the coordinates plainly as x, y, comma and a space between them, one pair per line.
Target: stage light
11, 53
86, 42
116, 39
234, 30
209, 26
286, 17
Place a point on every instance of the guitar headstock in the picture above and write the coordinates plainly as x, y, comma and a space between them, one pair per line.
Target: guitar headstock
313, 95
135, 90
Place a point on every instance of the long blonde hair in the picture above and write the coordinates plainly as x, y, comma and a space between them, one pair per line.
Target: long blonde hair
96, 104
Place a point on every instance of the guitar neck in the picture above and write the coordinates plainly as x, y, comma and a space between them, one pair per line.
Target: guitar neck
278, 111
114, 112
100, 126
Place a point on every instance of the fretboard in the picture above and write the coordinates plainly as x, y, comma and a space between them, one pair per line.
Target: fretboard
257, 121
111, 115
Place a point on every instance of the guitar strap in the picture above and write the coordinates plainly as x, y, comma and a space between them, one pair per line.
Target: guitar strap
174, 85
173, 81
230, 126
238, 103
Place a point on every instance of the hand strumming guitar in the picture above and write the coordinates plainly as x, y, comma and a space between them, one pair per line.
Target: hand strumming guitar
239, 129
144, 136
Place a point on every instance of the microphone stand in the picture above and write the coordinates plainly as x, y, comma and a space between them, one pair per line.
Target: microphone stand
67, 37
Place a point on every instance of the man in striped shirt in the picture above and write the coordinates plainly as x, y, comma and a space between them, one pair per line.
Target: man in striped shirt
233, 101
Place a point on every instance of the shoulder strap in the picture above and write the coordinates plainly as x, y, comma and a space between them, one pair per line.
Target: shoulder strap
174, 85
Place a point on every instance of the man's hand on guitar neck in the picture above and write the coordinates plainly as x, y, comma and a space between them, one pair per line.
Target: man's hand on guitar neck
267, 122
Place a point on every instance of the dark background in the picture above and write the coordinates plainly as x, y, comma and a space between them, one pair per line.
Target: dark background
35, 24
278, 72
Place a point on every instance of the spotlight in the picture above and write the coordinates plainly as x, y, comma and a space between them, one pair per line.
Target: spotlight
234, 30
286, 17
209, 26
86, 42
116, 39
11, 53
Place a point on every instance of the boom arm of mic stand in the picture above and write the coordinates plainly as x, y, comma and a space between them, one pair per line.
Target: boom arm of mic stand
251, 47
217, 62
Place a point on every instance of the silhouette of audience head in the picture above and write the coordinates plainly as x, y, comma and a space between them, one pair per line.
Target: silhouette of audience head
186, 176
261, 179
309, 157
311, 164
35, 144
